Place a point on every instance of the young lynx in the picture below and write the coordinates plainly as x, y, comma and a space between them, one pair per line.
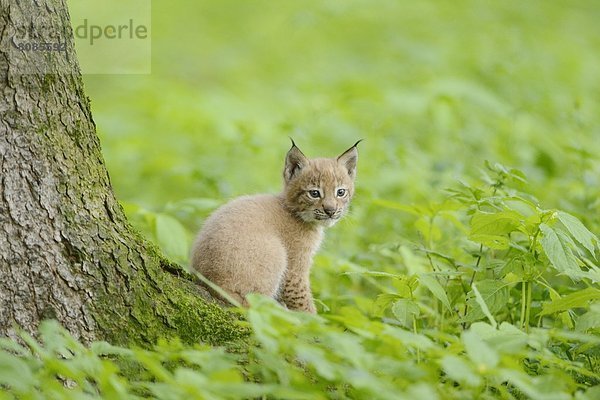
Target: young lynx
265, 243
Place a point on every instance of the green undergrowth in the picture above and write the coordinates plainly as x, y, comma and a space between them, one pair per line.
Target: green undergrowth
503, 302
450, 278
309, 357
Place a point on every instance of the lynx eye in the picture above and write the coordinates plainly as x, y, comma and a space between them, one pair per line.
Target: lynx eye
315, 194
341, 192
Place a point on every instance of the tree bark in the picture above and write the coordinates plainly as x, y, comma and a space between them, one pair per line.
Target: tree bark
66, 249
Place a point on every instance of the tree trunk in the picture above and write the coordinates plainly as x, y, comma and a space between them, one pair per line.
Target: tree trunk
66, 249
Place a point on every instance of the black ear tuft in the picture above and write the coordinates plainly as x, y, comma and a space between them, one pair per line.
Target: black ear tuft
349, 158
295, 160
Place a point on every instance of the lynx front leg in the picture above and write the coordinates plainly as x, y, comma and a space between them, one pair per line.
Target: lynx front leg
296, 294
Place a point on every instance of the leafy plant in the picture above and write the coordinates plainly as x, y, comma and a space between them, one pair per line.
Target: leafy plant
488, 289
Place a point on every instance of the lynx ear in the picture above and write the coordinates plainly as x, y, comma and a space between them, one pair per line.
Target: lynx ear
294, 162
349, 158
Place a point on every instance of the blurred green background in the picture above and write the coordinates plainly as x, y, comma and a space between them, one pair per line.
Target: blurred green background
435, 89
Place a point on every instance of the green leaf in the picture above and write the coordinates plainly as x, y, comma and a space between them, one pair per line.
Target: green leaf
405, 311
422, 390
482, 304
504, 171
376, 274
431, 283
479, 351
460, 371
11, 346
382, 303
591, 393
15, 373
105, 349
586, 238
494, 295
539, 388
506, 339
491, 241
574, 300
495, 224
491, 230
557, 247
590, 320
317, 357
172, 237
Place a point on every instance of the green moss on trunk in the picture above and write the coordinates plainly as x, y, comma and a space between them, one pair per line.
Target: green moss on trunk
165, 302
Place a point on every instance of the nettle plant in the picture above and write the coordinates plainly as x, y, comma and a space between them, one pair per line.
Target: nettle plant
494, 253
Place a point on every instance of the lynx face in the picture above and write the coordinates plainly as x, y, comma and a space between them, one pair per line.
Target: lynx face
318, 191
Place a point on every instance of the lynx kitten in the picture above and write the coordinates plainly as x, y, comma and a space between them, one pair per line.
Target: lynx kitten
265, 243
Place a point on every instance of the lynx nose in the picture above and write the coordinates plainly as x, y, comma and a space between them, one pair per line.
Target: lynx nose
329, 211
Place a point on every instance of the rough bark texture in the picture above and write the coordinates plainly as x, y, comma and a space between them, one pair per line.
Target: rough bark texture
66, 249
